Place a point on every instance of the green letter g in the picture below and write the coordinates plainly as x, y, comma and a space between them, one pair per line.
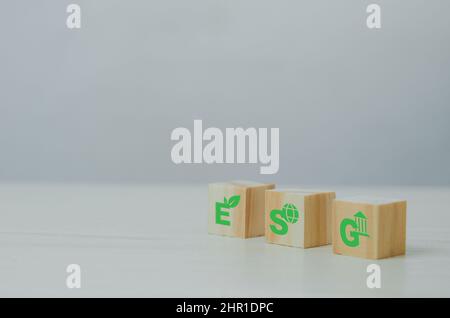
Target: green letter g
354, 242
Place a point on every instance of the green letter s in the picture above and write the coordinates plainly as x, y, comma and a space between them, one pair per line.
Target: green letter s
277, 217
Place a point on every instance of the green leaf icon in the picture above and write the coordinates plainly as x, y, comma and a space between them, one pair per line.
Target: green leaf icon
225, 202
234, 201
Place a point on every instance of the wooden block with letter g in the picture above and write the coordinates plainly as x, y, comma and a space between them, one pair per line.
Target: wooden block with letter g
370, 228
237, 208
298, 218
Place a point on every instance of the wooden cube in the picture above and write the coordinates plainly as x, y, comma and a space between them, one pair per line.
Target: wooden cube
369, 227
298, 218
237, 208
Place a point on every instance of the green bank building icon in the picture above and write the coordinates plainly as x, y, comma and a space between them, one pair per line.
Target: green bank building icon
361, 221
358, 227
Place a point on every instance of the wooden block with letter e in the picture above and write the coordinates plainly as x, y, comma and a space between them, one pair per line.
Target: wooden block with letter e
369, 227
298, 218
237, 208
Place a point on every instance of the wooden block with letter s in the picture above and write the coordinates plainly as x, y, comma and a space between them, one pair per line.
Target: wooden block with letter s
368, 227
298, 218
237, 208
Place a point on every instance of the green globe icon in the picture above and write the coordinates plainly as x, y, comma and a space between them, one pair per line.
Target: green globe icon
290, 212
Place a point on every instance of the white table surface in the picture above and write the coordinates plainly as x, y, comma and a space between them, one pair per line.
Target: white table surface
142, 241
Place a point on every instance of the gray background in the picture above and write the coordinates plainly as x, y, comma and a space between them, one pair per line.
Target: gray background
354, 106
